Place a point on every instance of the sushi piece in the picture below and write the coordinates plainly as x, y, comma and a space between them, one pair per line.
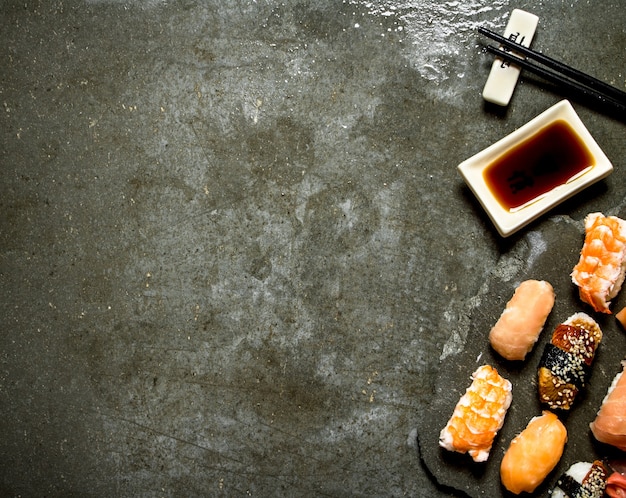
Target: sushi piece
582, 480
479, 415
609, 425
616, 485
621, 317
600, 271
567, 360
518, 328
533, 453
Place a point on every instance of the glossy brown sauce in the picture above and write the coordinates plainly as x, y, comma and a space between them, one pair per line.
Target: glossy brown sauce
547, 159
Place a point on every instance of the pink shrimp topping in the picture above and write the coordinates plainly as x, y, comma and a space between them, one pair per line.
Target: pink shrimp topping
478, 415
600, 271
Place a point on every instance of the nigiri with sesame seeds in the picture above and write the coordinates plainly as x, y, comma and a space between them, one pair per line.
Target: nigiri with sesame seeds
566, 361
582, 480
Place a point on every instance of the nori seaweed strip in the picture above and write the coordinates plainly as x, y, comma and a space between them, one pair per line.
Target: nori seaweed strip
570, 486
568, 367
592, 486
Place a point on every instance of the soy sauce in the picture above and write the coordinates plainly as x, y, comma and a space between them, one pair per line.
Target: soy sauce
547, 159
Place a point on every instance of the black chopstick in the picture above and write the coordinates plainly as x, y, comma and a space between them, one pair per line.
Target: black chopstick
557, 66
560, 80
579, 81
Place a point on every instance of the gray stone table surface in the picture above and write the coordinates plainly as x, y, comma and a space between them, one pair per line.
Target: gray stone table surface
234, 246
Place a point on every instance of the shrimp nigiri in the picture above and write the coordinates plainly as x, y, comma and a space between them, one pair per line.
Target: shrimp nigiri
518, 328
479, 415
609, 425
533, 453
600, 271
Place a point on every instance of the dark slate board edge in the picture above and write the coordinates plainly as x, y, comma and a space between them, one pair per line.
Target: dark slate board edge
436, 461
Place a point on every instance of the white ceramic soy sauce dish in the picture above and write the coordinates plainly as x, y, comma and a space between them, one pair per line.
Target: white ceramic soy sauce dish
508, 221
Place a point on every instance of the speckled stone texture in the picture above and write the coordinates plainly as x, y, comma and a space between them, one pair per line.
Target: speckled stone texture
235, 251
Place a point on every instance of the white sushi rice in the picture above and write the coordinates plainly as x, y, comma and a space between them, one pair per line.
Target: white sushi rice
590, 476
578, 471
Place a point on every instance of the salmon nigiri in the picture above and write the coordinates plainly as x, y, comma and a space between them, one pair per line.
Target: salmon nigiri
518, 328
478, 415
533, 453
600, 271
610, 424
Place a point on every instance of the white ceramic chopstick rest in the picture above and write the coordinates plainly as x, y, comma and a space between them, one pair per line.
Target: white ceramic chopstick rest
503, 75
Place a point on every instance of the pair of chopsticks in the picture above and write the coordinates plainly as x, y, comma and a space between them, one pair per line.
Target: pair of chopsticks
557, 73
